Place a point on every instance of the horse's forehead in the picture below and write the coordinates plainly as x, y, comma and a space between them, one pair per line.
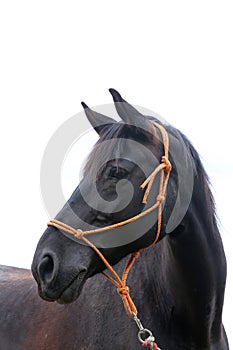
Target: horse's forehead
129, 149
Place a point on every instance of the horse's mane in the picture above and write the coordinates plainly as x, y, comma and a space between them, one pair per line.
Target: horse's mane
199, 170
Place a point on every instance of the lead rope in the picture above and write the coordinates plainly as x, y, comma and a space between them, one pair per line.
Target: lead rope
150, 340
123, 290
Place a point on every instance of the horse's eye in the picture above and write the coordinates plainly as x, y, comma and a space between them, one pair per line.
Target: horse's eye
117, 172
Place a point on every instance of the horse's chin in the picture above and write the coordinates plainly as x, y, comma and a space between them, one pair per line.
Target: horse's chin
73, 290
70, 293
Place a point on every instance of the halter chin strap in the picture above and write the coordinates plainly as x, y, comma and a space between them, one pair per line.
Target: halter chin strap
164, 168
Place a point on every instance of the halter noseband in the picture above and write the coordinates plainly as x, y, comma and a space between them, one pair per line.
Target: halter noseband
164, 168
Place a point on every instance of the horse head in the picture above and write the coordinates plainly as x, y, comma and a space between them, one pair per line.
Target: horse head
110, 192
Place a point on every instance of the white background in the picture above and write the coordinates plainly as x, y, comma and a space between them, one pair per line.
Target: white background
174, 57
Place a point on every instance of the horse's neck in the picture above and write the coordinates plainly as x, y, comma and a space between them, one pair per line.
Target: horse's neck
185, 276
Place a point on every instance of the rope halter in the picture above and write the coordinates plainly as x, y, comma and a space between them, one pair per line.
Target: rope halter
164, 168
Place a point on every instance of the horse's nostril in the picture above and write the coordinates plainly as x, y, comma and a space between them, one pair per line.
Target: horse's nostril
46, 269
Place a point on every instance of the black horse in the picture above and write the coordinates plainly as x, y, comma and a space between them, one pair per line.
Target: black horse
177, 285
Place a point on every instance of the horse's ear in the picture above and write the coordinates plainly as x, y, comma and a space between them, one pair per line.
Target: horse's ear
128, 113
97, 120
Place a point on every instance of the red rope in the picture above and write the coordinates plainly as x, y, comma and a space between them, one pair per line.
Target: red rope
149, 342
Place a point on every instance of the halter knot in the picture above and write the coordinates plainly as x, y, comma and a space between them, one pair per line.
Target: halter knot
79, 234
123, 291
160, 198
128, 303
167, 162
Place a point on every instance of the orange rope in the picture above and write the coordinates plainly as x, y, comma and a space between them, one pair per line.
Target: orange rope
164, 168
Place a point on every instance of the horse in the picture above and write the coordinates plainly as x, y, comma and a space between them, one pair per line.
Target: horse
167, 227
